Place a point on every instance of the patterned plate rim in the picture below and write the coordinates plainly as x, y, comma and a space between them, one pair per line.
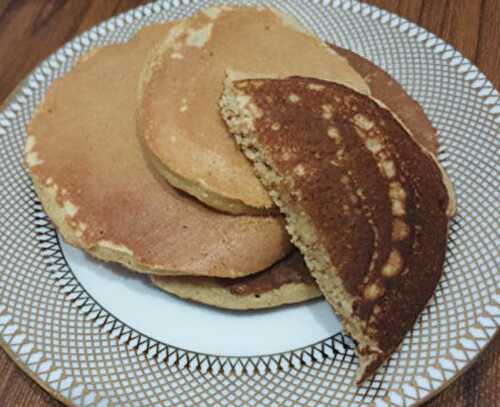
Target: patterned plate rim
470, 73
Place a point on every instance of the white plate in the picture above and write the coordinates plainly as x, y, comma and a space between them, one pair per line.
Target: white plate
96, 337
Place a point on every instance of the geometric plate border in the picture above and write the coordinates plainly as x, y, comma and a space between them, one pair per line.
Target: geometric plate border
320, 374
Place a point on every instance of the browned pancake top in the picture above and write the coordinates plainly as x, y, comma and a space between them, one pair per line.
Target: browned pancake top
384, 87
375, 198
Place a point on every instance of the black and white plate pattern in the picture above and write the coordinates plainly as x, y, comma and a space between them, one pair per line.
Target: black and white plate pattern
91, 348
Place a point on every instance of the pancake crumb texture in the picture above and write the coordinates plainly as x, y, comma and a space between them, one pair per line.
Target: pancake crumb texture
365, 203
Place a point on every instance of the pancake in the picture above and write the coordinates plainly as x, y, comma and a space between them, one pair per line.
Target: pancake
365, 203
178, 118
287, 282
90, 174
213, 291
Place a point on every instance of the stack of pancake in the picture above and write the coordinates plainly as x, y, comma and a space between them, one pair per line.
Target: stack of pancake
135, 164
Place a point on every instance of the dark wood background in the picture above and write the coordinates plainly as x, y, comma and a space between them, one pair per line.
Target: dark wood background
30, 30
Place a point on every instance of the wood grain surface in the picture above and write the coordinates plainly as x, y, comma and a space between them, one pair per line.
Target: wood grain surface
30, 30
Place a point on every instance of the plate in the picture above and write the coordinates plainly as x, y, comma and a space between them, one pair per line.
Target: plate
94, 335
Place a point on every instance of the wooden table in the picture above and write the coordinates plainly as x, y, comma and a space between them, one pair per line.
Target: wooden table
30, 30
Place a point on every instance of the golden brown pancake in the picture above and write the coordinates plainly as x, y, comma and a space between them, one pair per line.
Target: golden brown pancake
287, 282
182, 81
90, 174
365, 203
282, 285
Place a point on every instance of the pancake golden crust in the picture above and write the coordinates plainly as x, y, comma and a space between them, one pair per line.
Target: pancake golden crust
365, 203
287, 282
89, 171
178, 117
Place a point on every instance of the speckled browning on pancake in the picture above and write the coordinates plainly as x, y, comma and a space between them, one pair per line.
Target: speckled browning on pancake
178, 117
89, 171
287, 282
366, 204
386, 89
